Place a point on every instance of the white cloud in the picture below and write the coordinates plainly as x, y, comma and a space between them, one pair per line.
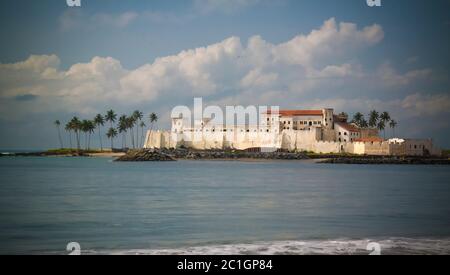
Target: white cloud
426, 104
391, 77
312, 70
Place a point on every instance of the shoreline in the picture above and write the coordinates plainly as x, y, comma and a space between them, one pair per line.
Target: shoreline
337, 246
65, 153
234, 155
140, 155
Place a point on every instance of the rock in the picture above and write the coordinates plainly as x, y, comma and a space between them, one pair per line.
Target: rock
190, 154
387, 160
145, 155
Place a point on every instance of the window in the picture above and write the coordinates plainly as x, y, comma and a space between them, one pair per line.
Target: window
339, 133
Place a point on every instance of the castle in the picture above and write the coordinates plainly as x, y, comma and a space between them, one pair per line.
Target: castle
318, 131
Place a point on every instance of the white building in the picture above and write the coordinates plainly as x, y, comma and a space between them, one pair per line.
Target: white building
319, 131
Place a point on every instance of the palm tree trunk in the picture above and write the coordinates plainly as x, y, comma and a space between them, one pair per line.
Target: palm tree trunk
142, 137
60, 139
70, 139
137, 137
77, 136
100, 137
132, 137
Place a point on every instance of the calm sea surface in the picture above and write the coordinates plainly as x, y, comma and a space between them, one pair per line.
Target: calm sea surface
220, 206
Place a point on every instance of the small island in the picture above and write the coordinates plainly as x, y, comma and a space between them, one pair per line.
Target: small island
190, 154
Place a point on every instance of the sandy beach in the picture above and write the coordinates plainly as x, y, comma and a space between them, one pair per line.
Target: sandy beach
107, 155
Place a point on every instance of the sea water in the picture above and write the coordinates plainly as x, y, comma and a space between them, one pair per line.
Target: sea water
221, 207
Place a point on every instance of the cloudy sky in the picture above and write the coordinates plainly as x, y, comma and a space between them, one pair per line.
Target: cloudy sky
57, 62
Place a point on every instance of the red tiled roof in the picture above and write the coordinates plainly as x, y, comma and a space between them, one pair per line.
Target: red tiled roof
348, 127
369, 139
298, 112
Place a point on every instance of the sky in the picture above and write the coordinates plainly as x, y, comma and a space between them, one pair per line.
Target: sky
57, 62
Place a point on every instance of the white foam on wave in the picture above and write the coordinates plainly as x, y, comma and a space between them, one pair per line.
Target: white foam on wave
311, 247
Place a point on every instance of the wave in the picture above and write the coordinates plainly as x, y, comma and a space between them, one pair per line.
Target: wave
390, 246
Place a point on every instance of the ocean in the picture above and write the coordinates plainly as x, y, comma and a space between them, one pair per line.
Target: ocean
221, 207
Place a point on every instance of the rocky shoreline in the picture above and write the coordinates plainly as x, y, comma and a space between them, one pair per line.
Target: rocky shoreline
387, 160
140, 155
186, 154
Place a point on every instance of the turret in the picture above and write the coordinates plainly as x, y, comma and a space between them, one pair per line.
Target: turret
328, 118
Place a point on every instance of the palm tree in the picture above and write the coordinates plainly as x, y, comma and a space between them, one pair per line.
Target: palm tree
75, 125
130, 122
142, 125
111, 117
363, 123
357, 119
123, 129
374, 116
99, 121
153, 119
68, 128
393, 124
85, 130
381, 126
91, 129
58, 124
137, 115
111, 134
385, 117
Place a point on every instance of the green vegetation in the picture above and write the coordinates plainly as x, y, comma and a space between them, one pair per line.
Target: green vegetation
376, 120
446, 153
71, 151
126, 124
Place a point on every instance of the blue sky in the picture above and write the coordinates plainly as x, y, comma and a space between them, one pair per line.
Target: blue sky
392, 58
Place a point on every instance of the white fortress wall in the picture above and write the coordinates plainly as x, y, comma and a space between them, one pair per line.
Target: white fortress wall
301, 140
